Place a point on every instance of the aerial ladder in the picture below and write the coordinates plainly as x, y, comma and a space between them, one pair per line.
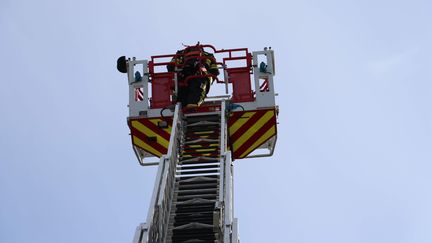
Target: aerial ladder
192, 199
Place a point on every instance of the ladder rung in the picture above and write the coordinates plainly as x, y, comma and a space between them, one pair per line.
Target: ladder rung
203, 123
196, 201
197, 163
195, 226
199, 158
188, 166
205, 196
198, 179
196, 191
202, 140
197, 186
197, 167
197, 172
202, 114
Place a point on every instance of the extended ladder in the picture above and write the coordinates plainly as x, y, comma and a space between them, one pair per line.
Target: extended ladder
193, 200
194, 215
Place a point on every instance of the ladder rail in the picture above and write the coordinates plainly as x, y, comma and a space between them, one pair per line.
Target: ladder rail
168, 184
229, 224
223, 196
146, 230
222, 152
228, 198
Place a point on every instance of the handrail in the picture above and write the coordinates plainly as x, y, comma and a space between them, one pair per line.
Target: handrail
229, 51
226, 176
230, 57
158, 214
222, 149
228, 198
168, 180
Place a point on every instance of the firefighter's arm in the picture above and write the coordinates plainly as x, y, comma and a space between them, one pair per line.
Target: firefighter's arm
211, 65
214, 69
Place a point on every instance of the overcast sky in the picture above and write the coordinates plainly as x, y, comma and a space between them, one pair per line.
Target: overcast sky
353, 161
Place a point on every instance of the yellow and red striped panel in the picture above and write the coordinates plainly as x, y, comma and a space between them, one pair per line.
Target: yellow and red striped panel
147, 135
250, 129
208, 149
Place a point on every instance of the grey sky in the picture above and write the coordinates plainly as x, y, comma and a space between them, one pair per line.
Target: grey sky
353, 159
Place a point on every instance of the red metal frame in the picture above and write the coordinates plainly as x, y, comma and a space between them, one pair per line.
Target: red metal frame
240, 77
162, 85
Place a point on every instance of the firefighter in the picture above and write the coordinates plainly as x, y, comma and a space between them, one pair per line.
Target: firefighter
195, 70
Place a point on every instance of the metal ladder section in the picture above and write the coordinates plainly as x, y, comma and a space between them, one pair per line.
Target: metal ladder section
194, 214
192, 198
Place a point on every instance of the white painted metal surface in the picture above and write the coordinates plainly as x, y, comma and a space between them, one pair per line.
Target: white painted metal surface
136, 107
